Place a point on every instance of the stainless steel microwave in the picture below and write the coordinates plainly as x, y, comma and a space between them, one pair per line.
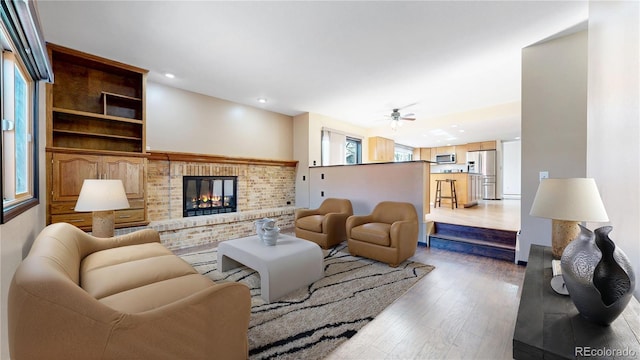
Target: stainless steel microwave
446, 159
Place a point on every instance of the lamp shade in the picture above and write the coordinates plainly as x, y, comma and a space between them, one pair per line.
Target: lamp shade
574, 199
102, 195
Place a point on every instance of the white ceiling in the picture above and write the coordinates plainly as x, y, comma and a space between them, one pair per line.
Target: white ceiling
459, 62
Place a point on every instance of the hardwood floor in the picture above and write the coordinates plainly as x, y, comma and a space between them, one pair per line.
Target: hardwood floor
492, 214
464, 309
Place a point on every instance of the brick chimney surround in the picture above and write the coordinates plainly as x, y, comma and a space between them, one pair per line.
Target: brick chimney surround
265, 188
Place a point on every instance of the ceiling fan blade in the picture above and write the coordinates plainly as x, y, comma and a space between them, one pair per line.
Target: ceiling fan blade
407, 118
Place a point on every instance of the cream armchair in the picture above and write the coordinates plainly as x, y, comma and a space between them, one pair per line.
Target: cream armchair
326, 224
389, 234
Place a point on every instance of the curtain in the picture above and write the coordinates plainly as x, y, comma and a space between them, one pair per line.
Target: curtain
333, 148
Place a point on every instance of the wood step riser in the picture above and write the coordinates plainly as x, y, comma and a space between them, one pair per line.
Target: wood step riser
476, 233
481, 250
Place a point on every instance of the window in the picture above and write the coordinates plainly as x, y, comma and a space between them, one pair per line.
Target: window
403, 153
17, 132
23, 62
353, 151
340, 149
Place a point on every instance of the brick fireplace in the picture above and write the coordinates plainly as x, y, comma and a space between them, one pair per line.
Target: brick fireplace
263, 189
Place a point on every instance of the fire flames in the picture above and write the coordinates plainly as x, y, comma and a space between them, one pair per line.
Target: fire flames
207, 201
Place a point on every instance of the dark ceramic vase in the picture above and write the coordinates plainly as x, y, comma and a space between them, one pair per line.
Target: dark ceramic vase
598, 275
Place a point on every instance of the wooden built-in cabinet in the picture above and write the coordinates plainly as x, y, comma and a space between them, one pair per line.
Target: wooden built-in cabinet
425, 154
484, 145
381, 149
95, 130
443, 150
461, 154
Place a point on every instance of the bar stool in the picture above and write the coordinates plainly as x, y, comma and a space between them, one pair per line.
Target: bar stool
452, 193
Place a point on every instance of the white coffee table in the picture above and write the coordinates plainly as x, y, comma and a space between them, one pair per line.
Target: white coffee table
289, 265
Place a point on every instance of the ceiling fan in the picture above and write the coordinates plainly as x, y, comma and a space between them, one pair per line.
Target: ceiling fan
396, 116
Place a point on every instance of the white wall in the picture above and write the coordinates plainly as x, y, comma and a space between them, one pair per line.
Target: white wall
511, 155
613, 150
183, 121
17, 235
554, 124
307, 129
318, 121
367, 185
301, 154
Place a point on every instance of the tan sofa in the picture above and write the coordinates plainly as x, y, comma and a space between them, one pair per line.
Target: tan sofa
389, 234
76, 296
325, 225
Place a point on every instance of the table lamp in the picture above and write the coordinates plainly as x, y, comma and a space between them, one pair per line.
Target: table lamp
567, 202
102, 197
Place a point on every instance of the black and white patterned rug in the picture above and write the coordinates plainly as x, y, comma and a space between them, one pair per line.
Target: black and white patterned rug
310, 322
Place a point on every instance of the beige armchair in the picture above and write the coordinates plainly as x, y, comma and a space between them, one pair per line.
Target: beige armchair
326, 224
389, 234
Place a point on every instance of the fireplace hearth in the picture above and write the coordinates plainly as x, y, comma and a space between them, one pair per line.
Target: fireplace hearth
207, 195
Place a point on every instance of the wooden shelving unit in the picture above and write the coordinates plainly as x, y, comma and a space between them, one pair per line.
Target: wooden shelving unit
95, 129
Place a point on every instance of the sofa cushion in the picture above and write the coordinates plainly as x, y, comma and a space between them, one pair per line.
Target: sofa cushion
121, 255
158, 294
311, 223
375, 233
112, 279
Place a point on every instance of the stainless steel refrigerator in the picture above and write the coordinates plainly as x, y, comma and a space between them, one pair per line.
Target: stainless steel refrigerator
484, 163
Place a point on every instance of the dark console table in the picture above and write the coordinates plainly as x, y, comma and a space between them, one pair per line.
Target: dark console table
550, 327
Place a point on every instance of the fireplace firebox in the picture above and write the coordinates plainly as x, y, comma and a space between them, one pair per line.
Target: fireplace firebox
206, 195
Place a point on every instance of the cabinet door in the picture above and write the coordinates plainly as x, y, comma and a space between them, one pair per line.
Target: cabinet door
69, 172
474, 146
128, 169
488, 145
425, 154
461, 154
381, 149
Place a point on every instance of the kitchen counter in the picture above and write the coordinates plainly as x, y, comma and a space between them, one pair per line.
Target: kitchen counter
466, 188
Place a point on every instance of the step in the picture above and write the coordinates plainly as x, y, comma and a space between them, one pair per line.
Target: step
471, 248
474, 241
494, 243
506, 237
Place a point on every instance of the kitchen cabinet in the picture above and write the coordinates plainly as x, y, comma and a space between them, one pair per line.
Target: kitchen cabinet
461, 154
422, 154
381, 149
95, 130
484, 145
461, 187
440, 150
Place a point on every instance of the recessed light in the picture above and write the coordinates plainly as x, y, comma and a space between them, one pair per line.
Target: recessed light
517, 137
454, 126
262, 100
461, 130
169, 75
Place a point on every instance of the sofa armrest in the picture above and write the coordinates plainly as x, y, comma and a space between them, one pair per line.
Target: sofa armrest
332, 220
402, 230
53, 310
300, 213
213, 321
